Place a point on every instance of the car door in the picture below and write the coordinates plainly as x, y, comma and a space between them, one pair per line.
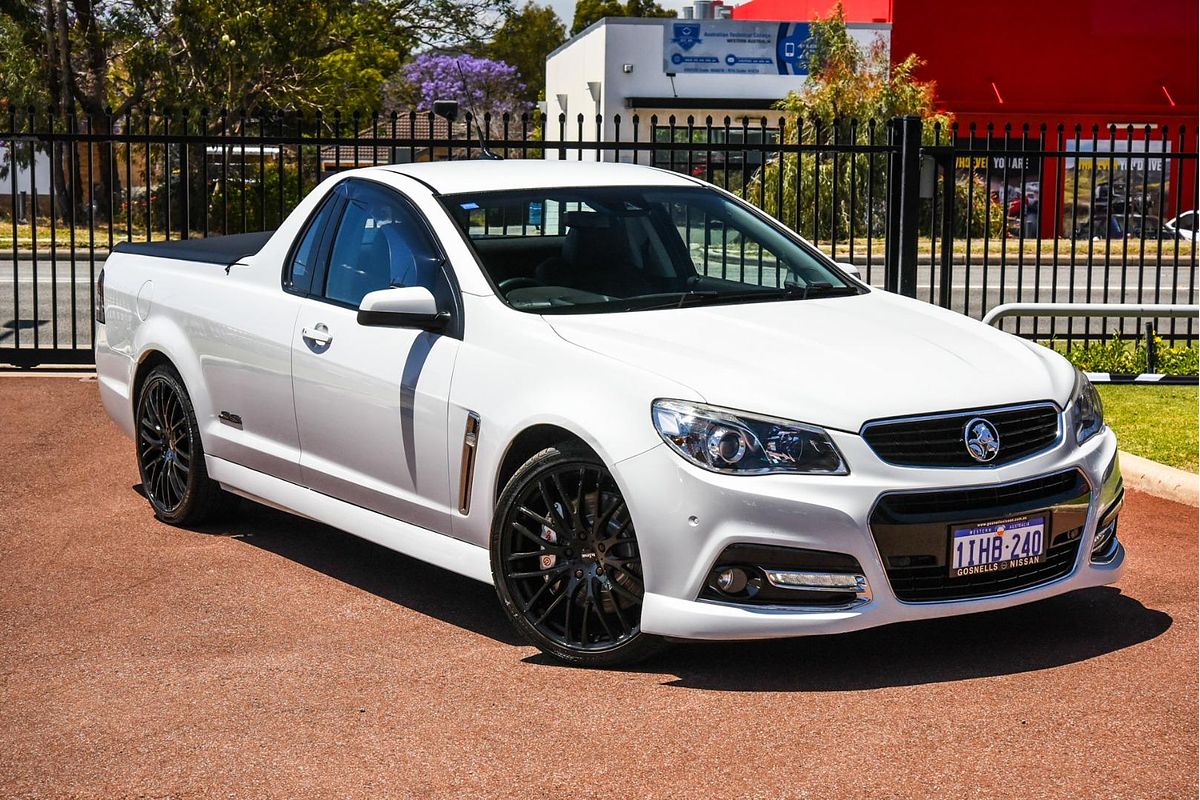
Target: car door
371, 401
243, 336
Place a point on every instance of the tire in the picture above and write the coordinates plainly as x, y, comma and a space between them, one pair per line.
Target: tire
170, 455
566, 564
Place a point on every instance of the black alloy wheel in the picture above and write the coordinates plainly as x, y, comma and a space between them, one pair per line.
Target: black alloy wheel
164, 445
566, 563
170, 455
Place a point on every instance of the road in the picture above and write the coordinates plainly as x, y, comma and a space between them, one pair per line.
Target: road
56, 289
274, 657
63, 294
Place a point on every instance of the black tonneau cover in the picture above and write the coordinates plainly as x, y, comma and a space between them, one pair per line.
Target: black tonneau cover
223, 250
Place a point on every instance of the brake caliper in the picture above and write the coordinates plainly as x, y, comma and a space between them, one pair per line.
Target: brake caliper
548, 560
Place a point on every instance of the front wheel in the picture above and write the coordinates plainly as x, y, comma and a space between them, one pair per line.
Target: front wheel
566, 563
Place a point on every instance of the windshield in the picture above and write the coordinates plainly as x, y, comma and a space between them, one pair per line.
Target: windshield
629, 248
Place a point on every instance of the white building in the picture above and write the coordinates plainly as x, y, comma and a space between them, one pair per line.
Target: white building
22, 179
677, 68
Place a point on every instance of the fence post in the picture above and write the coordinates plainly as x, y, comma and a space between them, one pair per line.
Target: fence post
946, 272
910, 199
1151, 350
891, 242
904, 198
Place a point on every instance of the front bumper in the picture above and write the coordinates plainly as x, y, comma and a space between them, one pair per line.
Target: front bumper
686, 517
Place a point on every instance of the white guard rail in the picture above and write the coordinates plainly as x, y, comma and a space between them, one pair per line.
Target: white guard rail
1149, 311
1146, 311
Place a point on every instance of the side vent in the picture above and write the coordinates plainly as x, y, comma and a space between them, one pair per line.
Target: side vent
470, 443
100, 298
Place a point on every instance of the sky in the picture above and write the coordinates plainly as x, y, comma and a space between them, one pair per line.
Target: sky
566, 8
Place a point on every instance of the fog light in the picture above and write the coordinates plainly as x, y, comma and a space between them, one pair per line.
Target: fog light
817, 581
731, 580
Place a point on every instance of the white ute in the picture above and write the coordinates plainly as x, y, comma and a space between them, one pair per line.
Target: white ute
639, 407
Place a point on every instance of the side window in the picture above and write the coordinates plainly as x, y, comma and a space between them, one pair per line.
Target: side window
1187, 222
299, 274
380, 242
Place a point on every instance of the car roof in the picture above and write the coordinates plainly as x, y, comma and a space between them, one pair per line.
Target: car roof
451, 177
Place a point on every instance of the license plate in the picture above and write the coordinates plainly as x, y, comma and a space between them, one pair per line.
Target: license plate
995, 546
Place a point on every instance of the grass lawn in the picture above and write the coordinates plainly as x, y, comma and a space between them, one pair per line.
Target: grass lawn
1155, 422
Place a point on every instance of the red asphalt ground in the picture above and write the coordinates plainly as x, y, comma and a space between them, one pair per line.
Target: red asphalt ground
274, 657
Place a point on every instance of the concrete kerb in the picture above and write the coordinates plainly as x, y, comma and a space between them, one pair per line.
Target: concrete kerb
1160, 480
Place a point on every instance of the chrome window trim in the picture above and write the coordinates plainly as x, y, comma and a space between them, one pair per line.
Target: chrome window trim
970, 412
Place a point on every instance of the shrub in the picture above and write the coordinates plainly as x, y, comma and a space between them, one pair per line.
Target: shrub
1128, 356
1179, 360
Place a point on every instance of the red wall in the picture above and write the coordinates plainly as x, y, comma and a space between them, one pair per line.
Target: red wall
801, 10
1071, 61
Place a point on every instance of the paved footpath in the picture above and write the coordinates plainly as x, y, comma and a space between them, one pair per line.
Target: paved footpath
274, 657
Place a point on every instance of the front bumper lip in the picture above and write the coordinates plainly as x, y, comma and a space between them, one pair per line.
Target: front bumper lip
826, 514
702, 619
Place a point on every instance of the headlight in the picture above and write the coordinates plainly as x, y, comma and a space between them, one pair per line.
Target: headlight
735, 443
1085, 410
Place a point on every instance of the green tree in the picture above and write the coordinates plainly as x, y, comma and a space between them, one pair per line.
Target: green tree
228, 53
23, 79
307, 54
524, 40
106, 57
647, 8
851, 94
589, 11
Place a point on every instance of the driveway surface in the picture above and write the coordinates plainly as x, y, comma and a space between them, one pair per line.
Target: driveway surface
274, 657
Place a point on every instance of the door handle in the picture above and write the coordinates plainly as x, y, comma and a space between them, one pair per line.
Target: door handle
319, 335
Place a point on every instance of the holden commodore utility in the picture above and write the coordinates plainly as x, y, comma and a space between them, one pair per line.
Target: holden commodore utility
638, 406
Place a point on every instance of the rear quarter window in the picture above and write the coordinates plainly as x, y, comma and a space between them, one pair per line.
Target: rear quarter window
298, 275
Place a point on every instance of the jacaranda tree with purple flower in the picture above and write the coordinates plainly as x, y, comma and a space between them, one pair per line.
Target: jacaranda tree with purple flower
479, 85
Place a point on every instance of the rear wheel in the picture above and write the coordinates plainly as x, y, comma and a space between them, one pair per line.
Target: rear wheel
566, 563
170, 455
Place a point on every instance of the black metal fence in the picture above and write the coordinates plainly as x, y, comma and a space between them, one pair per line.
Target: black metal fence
965, 218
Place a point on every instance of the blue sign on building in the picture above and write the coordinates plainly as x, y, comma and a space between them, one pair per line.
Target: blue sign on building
736, 47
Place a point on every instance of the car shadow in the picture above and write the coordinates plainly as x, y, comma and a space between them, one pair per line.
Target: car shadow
424, 588
1051, 633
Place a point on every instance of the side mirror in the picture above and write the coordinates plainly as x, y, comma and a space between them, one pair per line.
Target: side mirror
845, 266
402, 307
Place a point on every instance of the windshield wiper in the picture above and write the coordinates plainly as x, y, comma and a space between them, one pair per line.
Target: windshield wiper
673, 299
793, 292
693, 297
712, 297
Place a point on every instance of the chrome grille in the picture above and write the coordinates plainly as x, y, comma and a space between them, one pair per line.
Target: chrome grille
937, 440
